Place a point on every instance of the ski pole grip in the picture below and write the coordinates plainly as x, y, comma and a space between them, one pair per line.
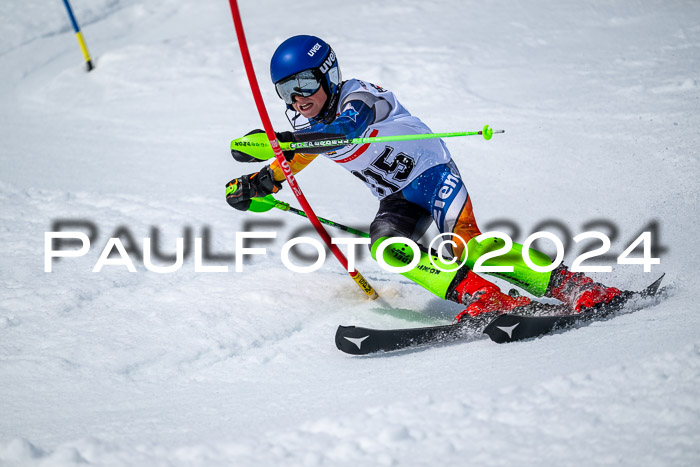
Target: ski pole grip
263, 204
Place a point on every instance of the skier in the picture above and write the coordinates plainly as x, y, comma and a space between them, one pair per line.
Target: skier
413, 180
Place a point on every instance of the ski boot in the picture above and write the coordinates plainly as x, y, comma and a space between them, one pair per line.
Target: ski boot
579, 292
482, 296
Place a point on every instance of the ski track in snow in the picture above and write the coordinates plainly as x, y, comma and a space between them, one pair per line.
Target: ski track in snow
599, 101
520, 424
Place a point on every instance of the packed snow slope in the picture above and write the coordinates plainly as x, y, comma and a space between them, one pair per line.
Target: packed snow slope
599, 100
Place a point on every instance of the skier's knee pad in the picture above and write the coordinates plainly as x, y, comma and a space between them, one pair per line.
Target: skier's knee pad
430, 272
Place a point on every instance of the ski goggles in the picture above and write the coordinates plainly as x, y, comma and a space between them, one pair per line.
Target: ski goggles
305, 83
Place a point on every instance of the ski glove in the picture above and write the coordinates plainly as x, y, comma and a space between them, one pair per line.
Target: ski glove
240, 190
282, 137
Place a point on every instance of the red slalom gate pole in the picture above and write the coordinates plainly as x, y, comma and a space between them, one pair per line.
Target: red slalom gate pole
270, 132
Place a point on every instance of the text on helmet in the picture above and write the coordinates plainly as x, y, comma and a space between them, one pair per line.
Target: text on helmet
328, 62
314, 49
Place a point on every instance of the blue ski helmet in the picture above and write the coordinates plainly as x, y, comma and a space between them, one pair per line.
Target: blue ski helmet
315, 57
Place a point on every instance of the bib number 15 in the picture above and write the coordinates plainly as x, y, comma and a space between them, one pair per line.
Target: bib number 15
386, 173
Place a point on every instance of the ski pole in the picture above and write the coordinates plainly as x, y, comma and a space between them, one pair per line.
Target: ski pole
268, 202
79, 35
286, 207
257, 145
486, 132
272, 141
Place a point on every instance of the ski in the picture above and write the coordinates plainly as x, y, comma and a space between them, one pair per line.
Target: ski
513, 327
362, 341
357, 340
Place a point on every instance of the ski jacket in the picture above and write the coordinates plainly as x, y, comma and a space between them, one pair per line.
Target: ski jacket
366, 110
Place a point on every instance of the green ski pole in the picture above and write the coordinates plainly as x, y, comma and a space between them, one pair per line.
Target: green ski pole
287, 207
258, 146
268, 202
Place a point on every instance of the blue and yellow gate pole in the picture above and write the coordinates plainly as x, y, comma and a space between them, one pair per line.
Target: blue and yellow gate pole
79, 35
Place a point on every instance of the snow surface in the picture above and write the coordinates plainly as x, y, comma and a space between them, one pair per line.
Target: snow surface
600, 102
